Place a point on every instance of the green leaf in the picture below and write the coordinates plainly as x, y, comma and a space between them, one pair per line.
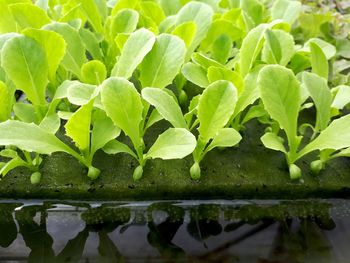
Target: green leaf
170, 7
336, 136
53, 45
343, 48
51, 123
255, 111
75, 51
280, 93
205, 61
135, 49
174, 143
195, 74
251, 47
7, 21
218, 73
254, 9
165, 105
125, 21
79, 93
28, 15
201, 14
322, 97
250, 92
92, 13
186, 31
216, 105
91, 43
226, 137
163, 63
286, 10
218, 28
152, 10
103, 132
30, 137
7, 100
121, 4
273, 142
319, 61
328, 49
114, 147
278, 47
123, 105
12, 164
25, 112
221, 48
93, 72
78, 126
8, 153
25, 63
153, 118
342, 97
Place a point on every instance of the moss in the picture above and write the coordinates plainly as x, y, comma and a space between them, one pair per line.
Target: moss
247, 171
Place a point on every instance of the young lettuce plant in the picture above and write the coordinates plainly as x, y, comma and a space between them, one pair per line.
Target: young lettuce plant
215, 108
280, 93
123, 104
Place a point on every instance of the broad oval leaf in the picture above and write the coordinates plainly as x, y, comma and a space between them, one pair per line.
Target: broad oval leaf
342, 97
322, 97
25, 63
319, 61
103, 132
74, 57
186, 31
280, 93
174, 143
201, 14
53, 45
217, 28
286, 10
125, 21
80, 93
226, 137
31, 138
251, 47
7, 100
278, 47
273, 142
165, 105
78, 126
336, 136
135, 49
216, 106
163, 62
195, 74
28, 16
123, 105
93, 72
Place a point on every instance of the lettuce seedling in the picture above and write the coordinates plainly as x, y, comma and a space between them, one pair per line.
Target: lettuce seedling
215, 107
280, 93
123, 104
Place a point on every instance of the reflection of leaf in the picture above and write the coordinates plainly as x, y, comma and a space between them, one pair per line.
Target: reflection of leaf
7, 224
107, 249
35, 236
204, 222
74, 248
161, 235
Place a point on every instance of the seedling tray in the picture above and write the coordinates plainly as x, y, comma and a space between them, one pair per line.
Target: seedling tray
245, 172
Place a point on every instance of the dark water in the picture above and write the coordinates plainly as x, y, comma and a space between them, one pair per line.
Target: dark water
180, 231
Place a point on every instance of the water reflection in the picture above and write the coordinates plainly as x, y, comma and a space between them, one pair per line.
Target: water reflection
217, 231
